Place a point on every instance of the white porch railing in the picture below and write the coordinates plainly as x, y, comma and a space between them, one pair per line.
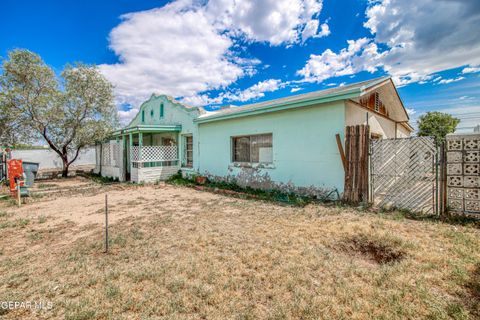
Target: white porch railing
154, 156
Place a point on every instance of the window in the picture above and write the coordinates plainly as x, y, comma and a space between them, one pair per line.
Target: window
188, 152
161, 110
143, 116
252, 149
151, 113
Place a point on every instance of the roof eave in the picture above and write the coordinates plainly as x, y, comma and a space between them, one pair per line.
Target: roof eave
349, 94
146, 128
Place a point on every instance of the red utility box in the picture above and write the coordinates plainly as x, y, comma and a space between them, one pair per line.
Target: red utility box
15, 174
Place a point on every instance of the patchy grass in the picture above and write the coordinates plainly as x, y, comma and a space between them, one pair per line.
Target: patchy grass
99, 179
184, 254
47, 185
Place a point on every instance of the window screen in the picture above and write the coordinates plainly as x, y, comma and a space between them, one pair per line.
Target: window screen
188, 152
253, 149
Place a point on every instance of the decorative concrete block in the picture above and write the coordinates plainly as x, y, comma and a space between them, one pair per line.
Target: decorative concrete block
454, 156
455, 204
454, 144
472, 156
454, 168
470, 169
455, 193
472, 206
471, 144
455, 181
471, 182
472, 194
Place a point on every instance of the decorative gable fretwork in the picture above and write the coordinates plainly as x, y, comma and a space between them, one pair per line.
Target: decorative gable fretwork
373, 102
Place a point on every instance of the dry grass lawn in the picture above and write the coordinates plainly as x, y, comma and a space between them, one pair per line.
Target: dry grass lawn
178, 253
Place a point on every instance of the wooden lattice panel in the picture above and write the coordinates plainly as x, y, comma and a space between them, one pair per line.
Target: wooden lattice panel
403, 173
463, 177
159, 153
154, 153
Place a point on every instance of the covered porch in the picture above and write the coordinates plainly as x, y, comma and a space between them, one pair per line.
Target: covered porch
142, 153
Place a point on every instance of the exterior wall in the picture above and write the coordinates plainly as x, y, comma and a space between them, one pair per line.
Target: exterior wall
305, 152
154, 174
174, 114
403, 132
109, 161
355, 115
49, 159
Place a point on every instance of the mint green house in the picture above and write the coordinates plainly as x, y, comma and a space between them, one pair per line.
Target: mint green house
286, 143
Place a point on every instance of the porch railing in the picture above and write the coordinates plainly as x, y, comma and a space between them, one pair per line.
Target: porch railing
154, 156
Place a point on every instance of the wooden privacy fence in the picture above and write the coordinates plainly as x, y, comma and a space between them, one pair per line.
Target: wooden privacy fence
356, 163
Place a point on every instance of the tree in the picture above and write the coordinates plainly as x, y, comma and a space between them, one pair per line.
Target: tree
437, 124
68, 114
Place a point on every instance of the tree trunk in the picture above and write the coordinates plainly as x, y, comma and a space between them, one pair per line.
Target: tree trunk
65, 167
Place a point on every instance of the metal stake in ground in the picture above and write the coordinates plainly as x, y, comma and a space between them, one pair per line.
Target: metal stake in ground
106, 223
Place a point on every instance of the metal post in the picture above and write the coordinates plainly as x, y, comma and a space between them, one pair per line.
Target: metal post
19, 196
106, 223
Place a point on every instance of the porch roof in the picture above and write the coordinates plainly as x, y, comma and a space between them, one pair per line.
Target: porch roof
148, 128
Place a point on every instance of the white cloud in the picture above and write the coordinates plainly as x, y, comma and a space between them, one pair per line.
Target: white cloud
256, 91
418, 38
126, 115
411, 111
361, 52
295, 89
272, 21
188, 47
471, 69
170, 51
447, 81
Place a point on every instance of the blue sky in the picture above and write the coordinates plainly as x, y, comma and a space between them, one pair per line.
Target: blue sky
238, 52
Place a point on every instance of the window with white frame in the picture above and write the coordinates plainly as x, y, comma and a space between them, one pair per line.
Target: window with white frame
188, 152
253, 148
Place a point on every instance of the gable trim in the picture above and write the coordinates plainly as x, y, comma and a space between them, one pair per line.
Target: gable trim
169, 99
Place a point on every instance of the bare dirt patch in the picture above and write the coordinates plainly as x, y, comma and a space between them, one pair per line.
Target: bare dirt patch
378, 250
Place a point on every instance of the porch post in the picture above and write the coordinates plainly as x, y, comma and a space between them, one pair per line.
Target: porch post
123, 159
140, 145
130, 146
178, 148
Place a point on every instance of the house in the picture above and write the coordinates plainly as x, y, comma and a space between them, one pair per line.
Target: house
286, 143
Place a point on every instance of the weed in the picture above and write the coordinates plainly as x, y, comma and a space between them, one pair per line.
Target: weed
99, 179
272, 195
119, 240
137, 234
112, 291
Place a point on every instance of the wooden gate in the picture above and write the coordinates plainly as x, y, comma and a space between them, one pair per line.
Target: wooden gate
356, 163
404, 174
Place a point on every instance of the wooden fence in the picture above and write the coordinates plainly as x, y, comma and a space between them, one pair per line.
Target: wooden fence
356, 163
